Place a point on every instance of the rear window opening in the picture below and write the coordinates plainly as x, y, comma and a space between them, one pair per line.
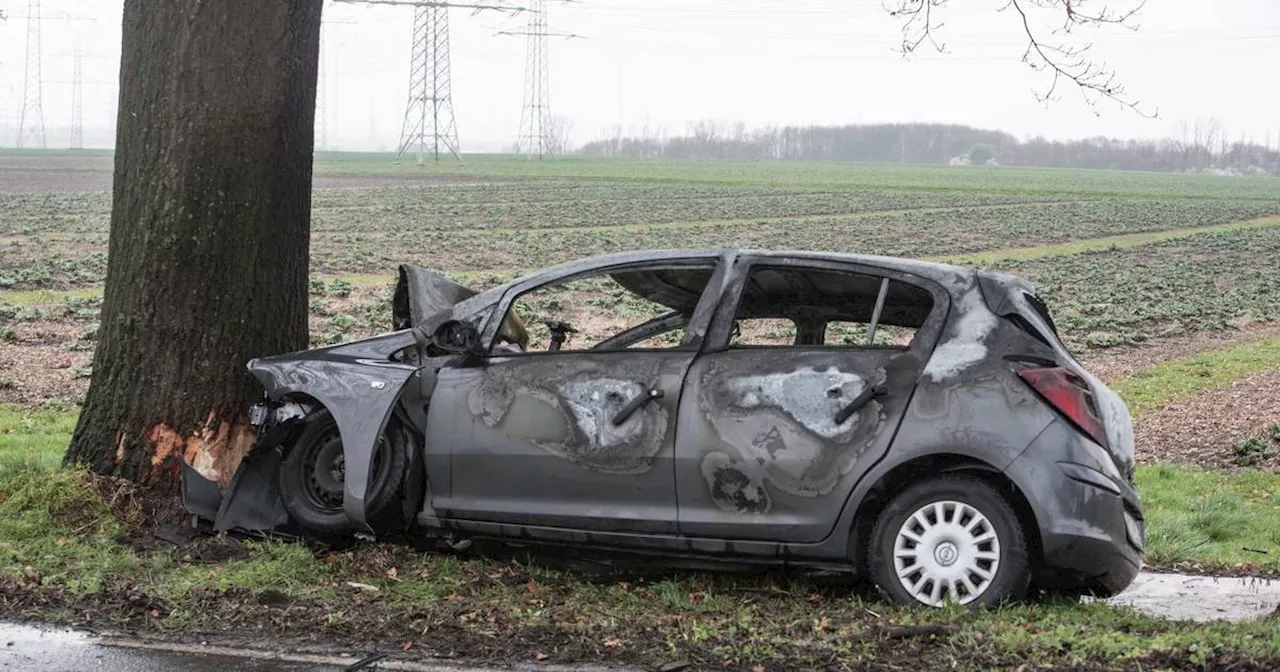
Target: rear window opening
1041, 309
807, 307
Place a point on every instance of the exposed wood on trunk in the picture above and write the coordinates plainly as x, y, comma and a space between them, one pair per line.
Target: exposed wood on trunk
208, 249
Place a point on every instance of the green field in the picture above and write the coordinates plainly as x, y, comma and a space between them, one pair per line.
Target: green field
1137, 264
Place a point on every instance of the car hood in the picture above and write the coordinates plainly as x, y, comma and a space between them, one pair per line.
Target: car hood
422, 293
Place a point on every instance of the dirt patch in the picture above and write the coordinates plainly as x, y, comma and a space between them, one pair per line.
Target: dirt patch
45, 360
1112, 364
1202, 429
26, 174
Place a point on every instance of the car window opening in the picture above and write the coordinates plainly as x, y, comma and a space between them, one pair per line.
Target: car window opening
784, 306
638, 308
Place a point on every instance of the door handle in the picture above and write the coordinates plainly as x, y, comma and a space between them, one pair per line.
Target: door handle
635, 404
859, 401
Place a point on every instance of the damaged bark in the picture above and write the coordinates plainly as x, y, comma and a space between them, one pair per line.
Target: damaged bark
208, 249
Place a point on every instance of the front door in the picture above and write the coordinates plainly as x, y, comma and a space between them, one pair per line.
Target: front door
808, 370
575, 427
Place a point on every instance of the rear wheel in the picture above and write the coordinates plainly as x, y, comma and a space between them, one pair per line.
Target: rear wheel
312, 476
949, 539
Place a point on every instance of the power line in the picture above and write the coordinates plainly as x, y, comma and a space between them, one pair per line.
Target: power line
77, 110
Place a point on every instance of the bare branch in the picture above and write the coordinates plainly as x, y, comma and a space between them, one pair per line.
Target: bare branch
1052, 54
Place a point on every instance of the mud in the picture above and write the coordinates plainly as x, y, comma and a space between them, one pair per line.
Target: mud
1201, 598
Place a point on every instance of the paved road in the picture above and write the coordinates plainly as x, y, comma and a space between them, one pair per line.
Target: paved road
1178, 596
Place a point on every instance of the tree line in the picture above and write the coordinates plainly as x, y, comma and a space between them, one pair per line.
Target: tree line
1202, 146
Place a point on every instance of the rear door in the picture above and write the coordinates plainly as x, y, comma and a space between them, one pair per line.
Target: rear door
808, 368
575, 429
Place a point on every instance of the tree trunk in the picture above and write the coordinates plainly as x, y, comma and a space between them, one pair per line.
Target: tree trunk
209, 239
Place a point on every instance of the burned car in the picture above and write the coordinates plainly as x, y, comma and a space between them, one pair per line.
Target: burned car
916, 424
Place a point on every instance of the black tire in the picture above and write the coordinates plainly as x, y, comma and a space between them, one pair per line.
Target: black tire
969, 556
312, 473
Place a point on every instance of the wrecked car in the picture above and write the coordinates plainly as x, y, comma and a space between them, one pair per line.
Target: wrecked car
915, 424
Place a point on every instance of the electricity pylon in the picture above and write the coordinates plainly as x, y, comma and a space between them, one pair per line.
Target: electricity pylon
429, 124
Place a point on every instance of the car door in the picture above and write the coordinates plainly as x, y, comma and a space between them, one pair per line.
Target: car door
799, 391
580, 436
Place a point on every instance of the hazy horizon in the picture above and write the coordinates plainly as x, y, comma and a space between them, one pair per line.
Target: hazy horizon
663, 64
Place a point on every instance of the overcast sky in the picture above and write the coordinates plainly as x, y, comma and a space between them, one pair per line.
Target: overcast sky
665, 63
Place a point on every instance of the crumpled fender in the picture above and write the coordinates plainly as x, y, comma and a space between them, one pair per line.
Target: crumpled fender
358, 387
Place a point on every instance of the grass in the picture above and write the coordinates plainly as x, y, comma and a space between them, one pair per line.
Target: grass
1217, 519
33, 438
1102, 244
60, 561
46, 297
1155, 386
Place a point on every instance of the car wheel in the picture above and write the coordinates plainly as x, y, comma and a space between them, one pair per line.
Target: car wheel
949, 539
313, 472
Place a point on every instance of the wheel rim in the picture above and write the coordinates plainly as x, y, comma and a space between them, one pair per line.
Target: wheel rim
946, 551
324, 472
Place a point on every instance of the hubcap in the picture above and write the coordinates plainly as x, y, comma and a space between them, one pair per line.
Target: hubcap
946, 551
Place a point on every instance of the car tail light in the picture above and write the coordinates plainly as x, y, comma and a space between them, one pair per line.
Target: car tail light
1070, 395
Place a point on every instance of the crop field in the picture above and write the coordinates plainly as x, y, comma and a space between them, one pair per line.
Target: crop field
1142, 271
1167, 286
1126, 260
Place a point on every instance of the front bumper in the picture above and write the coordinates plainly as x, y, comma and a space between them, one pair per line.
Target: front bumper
252, 501
1090, 520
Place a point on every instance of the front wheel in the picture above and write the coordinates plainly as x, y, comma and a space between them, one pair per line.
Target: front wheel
951, 538
313, 474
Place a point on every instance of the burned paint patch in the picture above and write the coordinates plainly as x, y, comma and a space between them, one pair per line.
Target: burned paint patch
783, 424
732, 488
570, 413
964, 343
810, 397
490, 400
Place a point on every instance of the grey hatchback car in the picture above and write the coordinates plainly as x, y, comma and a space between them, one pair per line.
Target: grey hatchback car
916, 424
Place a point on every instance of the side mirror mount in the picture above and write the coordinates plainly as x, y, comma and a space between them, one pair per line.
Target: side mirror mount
458, 337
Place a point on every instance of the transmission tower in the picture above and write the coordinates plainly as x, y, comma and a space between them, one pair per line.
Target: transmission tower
428, 118
536, 114
31, 119
77, 109
536, 137
429, 123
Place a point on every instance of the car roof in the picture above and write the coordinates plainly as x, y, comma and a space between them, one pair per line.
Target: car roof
946, 274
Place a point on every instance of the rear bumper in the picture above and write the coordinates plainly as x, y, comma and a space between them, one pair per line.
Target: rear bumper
1090, 520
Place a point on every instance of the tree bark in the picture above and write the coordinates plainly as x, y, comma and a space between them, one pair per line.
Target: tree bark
208, 248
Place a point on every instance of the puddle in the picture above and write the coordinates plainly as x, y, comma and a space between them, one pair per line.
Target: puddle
41, 649
1201, 598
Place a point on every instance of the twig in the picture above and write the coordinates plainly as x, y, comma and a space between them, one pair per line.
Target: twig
904, 632
364, 663
1094, 80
